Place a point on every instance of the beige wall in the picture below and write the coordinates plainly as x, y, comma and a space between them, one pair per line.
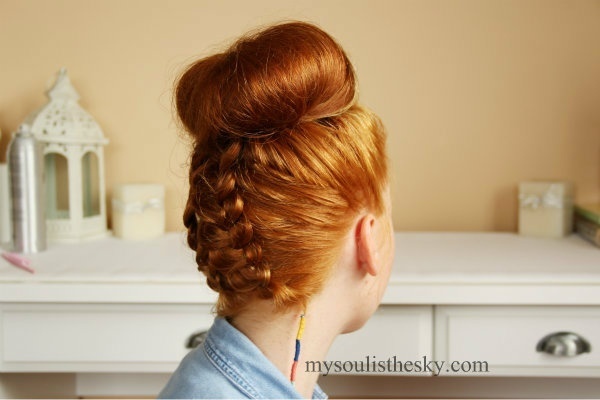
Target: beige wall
476, 95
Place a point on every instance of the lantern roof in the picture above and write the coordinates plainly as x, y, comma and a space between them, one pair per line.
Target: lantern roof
62, 119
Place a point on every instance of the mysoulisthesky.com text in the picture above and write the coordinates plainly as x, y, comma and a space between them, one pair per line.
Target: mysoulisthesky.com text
393, 364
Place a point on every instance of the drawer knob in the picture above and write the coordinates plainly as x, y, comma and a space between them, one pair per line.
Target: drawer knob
195, 339
563, 344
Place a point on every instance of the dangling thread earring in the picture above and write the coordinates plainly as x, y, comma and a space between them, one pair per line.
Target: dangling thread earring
297, 353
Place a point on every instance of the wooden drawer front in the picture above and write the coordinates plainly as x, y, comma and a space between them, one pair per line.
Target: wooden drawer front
97, 337
404, 332
506, 338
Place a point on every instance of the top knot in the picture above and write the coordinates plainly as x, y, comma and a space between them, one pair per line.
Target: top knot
265, 83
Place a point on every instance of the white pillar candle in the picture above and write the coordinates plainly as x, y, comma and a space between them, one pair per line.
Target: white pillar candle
138, 211
545, 208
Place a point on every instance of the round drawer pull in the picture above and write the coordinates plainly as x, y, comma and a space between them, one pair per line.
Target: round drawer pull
195, 339
563, 344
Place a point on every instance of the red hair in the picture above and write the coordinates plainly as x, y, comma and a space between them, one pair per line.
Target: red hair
283, 161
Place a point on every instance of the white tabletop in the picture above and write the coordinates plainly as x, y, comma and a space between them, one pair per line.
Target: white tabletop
429, 268
494, 258
167, 259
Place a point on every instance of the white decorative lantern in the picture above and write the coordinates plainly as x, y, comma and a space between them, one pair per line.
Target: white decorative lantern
73, 165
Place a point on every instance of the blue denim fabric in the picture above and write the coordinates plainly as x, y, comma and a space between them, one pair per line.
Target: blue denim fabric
228, 365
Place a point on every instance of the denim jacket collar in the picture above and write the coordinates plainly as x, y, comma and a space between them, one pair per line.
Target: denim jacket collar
245, 366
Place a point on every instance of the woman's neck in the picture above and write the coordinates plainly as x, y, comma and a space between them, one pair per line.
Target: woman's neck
274, 333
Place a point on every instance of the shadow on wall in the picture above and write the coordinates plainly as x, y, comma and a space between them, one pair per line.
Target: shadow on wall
505, 208
4, 139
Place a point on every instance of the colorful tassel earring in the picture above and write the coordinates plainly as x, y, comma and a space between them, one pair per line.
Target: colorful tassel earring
297, 353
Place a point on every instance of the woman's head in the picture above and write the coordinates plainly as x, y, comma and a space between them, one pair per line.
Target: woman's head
283, 161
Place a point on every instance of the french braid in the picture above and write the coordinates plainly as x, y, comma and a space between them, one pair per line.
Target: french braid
227, 250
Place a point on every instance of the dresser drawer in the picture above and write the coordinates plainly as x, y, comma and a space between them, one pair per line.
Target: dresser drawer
507, 339
397, 334
96, 337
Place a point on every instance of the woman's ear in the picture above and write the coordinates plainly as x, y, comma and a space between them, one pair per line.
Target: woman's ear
366, 252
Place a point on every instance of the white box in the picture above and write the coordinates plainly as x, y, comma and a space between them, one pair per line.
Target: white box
545, 208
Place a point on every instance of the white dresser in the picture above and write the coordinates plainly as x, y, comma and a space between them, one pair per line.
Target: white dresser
492, 306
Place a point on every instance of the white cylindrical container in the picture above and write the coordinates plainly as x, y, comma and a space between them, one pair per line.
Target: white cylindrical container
25, 166
138, 211
5, 218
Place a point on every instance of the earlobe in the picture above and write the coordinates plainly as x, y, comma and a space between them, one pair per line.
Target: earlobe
365, 245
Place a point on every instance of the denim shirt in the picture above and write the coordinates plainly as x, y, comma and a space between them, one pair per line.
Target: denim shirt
228, 365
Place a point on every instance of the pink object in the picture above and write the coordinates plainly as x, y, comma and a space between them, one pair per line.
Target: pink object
18, 261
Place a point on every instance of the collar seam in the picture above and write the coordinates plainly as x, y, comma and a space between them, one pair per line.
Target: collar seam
228, 370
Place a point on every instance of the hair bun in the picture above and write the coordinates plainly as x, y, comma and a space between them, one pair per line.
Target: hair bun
267, 82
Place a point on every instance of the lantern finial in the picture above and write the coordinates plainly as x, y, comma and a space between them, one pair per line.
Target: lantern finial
62, 88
